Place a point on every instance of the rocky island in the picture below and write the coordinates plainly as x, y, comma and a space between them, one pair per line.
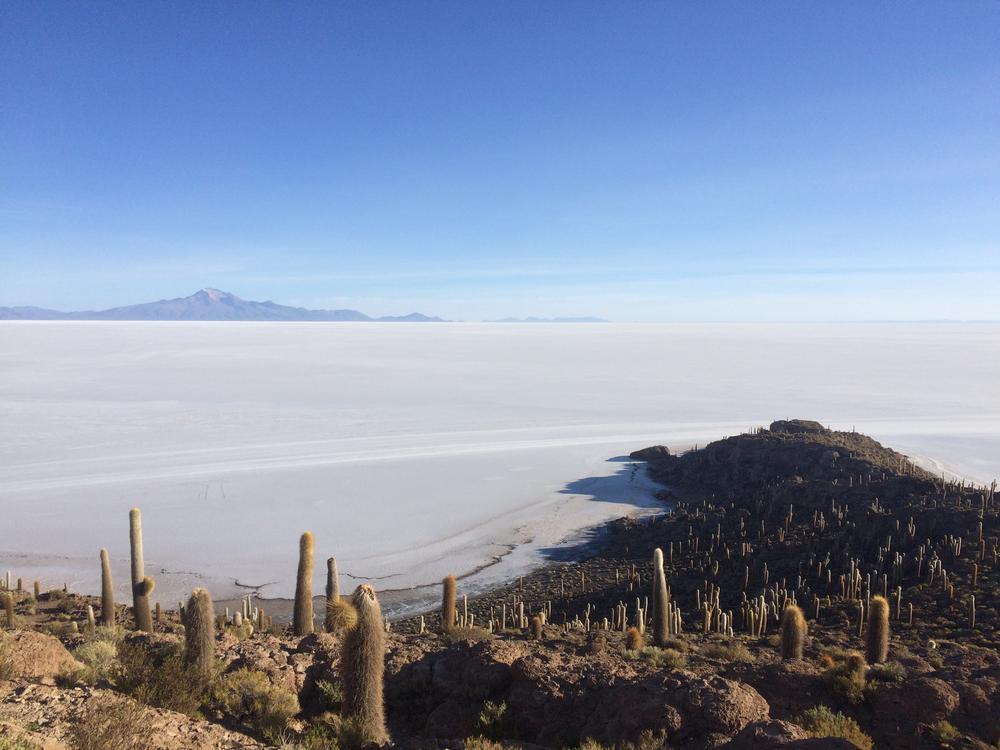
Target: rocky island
803, 588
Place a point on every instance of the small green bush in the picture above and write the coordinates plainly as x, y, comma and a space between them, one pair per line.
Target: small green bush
330, 732
495, 721
482, 743
100, 659
891, 671
248, 696
735, 652
111, 724
944, 732
463, 635
822, 722
17, 743
157, 675
661, 658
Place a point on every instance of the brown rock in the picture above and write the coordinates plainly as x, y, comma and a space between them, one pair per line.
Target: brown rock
37, 656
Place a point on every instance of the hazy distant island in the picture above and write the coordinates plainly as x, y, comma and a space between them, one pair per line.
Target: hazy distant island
209, 304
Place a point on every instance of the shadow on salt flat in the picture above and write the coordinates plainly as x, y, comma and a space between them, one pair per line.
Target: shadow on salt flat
621, 488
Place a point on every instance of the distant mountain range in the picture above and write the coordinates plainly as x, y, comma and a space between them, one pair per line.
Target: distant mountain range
208, 304
551, 320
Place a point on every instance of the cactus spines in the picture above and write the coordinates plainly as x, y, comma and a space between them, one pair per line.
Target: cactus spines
362, 663
107, 591
877, 637
140, 597
448, 608
341, 616
302, 619
633, 639
332, 593
199, 632
793, 632
536, 628
661, 601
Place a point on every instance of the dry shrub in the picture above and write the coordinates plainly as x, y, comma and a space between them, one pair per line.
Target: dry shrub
474, 634
249, 697
100, 659
111, 724
9, 742
6, 659
733, 652
156, 674
822, 722
661, 658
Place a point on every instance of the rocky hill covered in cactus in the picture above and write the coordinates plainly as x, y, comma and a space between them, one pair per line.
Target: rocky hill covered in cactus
803, 589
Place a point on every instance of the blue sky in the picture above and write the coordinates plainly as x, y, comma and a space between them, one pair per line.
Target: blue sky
638, 161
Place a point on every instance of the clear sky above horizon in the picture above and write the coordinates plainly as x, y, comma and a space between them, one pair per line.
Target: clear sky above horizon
640, 161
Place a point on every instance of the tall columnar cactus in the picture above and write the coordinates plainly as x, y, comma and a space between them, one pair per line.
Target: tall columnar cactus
448, 611
199, 633
793, 632
107, 591
877, 638
302, 618
661, 601
142, 585
362, 664
332, 594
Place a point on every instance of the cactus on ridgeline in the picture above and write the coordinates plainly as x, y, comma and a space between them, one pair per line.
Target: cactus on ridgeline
302, 618
199, 633
362, 663
142, 585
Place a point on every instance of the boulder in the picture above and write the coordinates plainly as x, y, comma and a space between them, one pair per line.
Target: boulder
36, 656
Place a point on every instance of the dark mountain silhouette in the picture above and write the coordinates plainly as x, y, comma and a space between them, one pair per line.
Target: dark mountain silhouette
207, 304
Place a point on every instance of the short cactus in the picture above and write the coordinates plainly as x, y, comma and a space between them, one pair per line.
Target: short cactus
877, 637
302, 618
362, 664
141, 584
107, 592
536, 628
633, 639
199, 633
793, 632
448, 608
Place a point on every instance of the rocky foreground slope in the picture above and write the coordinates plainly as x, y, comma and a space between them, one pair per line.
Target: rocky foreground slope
792, 514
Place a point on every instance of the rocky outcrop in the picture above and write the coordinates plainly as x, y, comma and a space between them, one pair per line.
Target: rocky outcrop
36, 656
53, 713
782, 734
